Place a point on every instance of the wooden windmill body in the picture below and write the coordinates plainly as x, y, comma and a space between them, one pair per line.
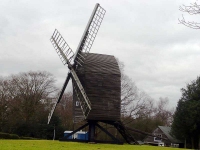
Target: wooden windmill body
101, 79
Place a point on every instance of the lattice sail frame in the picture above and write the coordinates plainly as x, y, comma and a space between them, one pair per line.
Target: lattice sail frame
89, 35
61, 47
81, 95
51, 112
59, 98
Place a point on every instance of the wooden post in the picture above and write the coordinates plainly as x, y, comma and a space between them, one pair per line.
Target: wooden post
192, 140
185, 144
54, 133
91, 131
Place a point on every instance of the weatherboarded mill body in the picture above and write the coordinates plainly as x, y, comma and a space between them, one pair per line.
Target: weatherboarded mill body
101, 79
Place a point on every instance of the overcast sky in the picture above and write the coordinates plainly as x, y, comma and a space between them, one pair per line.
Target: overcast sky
160, 55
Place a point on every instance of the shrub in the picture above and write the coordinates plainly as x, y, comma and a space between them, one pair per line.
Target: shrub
14, 136
8, 136
4, 135
28, 138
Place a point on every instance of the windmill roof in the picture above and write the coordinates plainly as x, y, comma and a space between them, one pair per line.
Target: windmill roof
100, 63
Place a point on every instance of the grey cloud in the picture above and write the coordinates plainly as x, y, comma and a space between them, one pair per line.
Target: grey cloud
160, 55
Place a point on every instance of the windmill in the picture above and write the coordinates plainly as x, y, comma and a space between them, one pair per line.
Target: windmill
96, 81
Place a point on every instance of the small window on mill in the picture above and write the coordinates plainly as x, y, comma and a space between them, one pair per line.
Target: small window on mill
77, 103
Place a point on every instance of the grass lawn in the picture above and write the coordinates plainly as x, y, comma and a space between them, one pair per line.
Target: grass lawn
57, 145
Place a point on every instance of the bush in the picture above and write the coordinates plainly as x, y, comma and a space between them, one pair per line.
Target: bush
14, 136
4, 135
28, 138
8, 136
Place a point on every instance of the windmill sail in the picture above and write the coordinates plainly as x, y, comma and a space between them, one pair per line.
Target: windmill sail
59, 98
89, 35
66, 54
62, 48
81, 95
51, 113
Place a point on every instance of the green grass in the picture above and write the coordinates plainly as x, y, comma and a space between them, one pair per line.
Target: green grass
56, 145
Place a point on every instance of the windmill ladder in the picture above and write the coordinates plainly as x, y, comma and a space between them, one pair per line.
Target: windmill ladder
124, 132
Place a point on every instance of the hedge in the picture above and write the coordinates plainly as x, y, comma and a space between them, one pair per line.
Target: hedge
8, 136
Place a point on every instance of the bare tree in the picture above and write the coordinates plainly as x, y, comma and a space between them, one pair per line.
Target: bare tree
134, 102
192, 9
28, 90
24, 97
163, 113
139, 109
4, 103
65, 111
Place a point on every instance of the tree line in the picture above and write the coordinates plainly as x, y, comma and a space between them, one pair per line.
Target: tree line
26, 100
